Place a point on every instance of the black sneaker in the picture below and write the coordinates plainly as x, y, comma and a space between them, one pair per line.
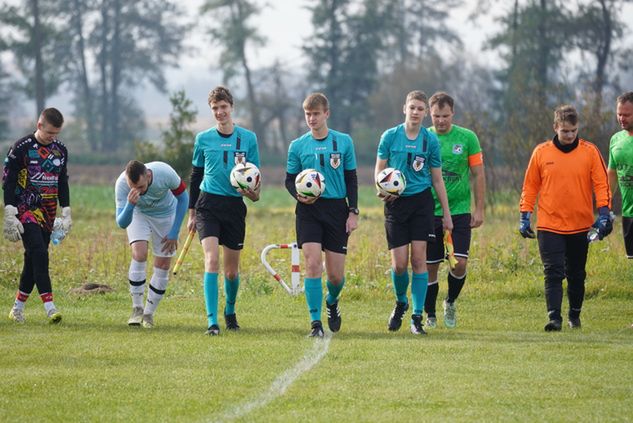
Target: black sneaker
214, 330
333, 316
416, 325
553, 326
317, 329
231, 322
395, 320
574, 323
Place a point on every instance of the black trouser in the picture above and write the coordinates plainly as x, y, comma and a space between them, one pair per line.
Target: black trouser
563, 256
35, 270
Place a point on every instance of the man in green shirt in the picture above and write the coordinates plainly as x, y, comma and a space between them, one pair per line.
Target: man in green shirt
620, 169
462, 160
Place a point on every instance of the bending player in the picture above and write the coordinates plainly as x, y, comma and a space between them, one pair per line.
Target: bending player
151, 202
462, 161
415, 151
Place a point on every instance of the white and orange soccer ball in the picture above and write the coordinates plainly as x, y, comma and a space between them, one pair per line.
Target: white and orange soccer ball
310, 183
390, 181
245, 176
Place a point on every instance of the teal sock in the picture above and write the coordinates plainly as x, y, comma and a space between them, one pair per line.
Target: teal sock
230, 292
419, 285
333, 291
400, 285
314, 297
211, 297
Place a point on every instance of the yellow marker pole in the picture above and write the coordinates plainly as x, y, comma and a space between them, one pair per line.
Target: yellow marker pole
184, 251
450, 249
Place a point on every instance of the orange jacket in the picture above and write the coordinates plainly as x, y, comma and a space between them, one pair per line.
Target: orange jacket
564, 184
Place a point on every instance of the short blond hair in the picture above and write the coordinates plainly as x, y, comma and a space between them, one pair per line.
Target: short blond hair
417, 95
314, 100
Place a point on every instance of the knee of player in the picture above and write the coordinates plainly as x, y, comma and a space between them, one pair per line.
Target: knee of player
211, 262
335, 279
314, 266
231, 275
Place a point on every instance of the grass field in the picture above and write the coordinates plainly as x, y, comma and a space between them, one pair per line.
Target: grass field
497, 365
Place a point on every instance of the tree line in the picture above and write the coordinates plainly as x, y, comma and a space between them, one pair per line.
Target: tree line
363, 54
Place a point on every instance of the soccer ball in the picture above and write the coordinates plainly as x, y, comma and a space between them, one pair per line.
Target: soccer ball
245, 176
310, 183
391, 181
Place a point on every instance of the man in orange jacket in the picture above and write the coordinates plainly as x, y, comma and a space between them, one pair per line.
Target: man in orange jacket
563, 173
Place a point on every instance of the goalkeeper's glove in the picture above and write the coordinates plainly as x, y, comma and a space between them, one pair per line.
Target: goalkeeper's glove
12, 226
66, 220
604, 222
524, 225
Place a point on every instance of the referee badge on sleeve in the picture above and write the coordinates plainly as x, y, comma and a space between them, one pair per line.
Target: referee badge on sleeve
418, 163
335, 160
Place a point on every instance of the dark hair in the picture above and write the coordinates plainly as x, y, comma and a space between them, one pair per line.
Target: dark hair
626, 97
441, 99
220, 93
53, 116
565, 113
134, 170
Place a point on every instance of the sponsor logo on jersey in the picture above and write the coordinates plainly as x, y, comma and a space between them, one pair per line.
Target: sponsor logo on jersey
335, 160
450, 176
458, 149
418, 163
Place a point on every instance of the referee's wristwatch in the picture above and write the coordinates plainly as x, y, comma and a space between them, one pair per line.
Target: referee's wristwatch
354, 210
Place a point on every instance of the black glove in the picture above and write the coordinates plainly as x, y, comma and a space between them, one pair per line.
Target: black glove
524, 225
604, 222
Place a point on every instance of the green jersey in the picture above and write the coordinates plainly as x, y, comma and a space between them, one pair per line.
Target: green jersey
460, 150
621, 160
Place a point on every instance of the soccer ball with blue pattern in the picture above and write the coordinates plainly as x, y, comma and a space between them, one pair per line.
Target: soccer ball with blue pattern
391, 181
310, 183
245, 176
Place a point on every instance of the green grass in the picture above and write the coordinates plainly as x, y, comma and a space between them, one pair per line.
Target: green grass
497, 365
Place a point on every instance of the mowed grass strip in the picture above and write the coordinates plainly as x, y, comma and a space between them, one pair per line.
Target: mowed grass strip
497, 365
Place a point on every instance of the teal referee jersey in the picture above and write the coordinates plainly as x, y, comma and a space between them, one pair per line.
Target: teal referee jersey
331, 156
414, 158
218, 154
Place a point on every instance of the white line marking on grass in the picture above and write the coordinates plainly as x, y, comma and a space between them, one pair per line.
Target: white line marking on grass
279, 386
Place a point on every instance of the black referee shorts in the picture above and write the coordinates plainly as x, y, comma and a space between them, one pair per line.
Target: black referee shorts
409, 219
461, 239
223, 217
323, 222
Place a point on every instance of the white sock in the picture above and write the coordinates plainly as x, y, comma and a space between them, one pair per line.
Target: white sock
48, 306
157, 287
20, 300
137, 275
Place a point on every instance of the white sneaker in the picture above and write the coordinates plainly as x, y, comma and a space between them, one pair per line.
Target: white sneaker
148, 321
17, 315
136, 317
54, 316
431, 322
450, 314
